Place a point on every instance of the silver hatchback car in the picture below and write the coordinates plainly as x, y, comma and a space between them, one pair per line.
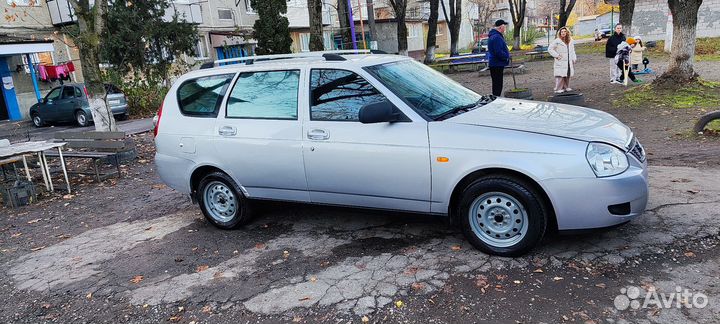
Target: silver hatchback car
386, 132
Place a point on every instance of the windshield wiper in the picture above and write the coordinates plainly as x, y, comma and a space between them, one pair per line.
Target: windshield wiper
464, 108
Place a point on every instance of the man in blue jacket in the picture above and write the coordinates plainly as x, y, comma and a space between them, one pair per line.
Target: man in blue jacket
498, 56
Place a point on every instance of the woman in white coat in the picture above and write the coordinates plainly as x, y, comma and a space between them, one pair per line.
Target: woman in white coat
563, 50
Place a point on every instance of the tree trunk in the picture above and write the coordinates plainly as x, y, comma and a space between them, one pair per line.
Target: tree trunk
627, 7
682, 58
453, 21
316, 30
91, 23
517, 13
566, 7
371, 19
432, 32
344, 19
399, 6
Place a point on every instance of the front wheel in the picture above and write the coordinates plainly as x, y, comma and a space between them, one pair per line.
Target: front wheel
221, 201
502, 216
37, 120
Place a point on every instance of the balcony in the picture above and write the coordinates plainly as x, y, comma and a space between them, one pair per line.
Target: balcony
188, 11
61, 12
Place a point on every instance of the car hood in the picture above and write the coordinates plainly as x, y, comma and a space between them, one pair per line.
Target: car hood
549, 118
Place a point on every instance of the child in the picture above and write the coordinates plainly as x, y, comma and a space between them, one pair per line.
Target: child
636, 57
622, 60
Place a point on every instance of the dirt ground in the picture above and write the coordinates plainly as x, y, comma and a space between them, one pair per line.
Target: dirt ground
132, 250
665, 132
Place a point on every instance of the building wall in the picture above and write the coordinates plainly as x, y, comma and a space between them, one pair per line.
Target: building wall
34, 22
650, 19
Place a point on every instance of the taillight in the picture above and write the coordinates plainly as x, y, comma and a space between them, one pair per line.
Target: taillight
156, 120
87, 95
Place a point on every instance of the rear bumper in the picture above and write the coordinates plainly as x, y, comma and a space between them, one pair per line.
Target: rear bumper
174, 171
119, 110
585, 203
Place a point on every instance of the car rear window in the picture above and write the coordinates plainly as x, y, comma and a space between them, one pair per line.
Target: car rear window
201, 97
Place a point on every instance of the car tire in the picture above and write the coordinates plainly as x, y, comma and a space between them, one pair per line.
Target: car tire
122, 117
221, 201
81, 118
37, 120
705, 120
502, 216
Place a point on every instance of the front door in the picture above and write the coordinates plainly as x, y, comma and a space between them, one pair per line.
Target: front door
49, 110
260, 136
65, 107
383, 165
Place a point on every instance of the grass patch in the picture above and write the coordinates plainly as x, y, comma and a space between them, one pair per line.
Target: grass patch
706, 49
702, 94
590, 48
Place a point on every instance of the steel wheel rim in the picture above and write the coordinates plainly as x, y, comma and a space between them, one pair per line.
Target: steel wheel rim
81, 118
498, 219
220, 201
36, 120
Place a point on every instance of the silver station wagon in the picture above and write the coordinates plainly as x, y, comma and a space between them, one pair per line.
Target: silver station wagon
385, 132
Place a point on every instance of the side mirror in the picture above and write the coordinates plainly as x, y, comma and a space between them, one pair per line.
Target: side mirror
380, 112
43, 100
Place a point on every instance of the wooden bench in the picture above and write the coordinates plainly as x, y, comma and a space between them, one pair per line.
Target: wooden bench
537, 54
100, 147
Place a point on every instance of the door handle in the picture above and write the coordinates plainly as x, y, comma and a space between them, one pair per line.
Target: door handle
318, 134
227, 131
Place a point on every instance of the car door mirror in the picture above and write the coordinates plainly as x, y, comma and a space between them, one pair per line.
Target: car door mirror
44, 101
380, 112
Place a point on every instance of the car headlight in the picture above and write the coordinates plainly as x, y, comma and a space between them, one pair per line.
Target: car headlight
606, 160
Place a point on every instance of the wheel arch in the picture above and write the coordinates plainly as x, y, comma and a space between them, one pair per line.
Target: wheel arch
200, 171
477, 174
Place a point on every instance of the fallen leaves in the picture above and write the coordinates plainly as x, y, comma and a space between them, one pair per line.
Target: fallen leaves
260, 246
692, 191
456, 247
37, 248
304, 298
159, 186
538, 270
137, 279
207, 309
399, 304
34, 221
68, 196
601, 285
418, 286
286, 254
16, 235
313, 279
365, 319
689, 254
202, 268
558, 278
88, 296
218, 275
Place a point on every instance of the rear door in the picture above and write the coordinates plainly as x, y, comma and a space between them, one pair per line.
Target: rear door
260, 135
65, 107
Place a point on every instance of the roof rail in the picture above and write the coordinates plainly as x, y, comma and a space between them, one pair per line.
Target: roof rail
328, 55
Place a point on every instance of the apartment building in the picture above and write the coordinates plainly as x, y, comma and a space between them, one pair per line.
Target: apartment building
29, 35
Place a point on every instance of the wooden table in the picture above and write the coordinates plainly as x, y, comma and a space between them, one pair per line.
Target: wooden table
8, 153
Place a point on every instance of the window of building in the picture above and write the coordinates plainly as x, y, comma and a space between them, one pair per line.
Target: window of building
201, 51
304, 42
225, 14
414, 30
265, 95
248, 7
202, 97
338, 95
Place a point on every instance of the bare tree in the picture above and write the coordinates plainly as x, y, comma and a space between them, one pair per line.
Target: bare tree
566, 7
517, 12
453, 22
432, 32
344, 19
316, 30
91, 24
485, 12
626, 14
400, 8
681, 70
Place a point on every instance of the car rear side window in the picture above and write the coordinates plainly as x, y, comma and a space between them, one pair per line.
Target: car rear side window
68, 92
338, 95
265, 95
78, 92
202, 97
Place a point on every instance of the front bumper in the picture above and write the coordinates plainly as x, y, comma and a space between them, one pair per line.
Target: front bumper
583, 203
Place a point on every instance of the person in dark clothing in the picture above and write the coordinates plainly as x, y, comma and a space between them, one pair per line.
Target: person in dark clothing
498, 56
611, 49
622, 60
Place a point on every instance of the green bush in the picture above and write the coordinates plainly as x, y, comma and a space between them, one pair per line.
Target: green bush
527, 37
144, 94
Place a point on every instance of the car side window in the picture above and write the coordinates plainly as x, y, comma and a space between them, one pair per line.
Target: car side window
78, 92
54, 94
202, 97
265, 95
338, 95
68, 92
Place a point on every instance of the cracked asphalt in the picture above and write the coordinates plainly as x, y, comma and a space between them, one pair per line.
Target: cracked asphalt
132, 250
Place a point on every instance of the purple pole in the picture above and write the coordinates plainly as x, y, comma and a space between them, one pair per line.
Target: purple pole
352, 24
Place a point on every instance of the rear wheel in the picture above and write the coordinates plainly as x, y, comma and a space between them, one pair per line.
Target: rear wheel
502, 216
221, 201
708, 122
37, 120
81, 118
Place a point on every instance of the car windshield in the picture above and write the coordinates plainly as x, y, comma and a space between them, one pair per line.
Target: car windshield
430, 92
